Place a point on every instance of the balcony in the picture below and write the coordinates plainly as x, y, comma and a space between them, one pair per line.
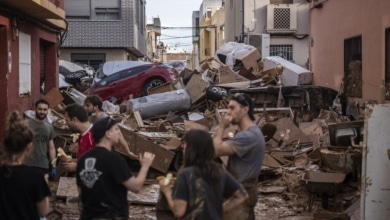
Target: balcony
43, 10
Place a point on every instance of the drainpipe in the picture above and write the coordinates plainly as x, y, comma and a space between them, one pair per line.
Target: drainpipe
243, 21
254, 21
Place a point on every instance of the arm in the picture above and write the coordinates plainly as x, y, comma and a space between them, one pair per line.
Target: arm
70, 166
177, 206
52, 151
125, 147
236, 199
43, 207
221, 148
134, 184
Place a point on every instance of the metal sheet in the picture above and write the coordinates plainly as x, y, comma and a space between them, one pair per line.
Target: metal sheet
375, 193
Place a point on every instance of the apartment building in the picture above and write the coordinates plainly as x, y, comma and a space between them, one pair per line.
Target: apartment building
100, 30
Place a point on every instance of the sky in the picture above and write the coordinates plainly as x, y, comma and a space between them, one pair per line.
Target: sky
174, 13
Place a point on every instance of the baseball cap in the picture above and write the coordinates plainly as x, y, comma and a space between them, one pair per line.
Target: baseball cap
244, 100
101, 126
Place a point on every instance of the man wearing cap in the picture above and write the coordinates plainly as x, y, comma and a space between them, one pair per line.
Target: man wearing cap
245, 151
103, 176
76, 118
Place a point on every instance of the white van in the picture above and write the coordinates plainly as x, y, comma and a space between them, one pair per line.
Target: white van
114, 66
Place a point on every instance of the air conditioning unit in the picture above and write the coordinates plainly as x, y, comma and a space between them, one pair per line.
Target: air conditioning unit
281, 18
260, 41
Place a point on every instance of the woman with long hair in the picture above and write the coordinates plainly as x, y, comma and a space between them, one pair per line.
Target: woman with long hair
203, 189
23, 189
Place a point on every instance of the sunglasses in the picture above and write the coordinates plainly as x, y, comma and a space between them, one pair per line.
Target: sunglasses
240, 98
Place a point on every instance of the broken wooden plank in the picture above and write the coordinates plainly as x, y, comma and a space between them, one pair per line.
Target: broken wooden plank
148, 195
67, 187
138, 145
138, 119
152, 135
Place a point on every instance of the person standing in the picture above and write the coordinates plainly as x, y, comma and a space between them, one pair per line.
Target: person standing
103, 176
202, 184
94, 106
43, 142
245, 151
23, 189
76, 118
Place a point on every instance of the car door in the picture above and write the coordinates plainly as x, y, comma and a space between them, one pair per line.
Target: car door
130, 83
105, 88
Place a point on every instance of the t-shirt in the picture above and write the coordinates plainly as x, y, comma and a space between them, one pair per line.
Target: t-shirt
248, 146
21, 187
204, 200
85, 142
100, 174
43, 133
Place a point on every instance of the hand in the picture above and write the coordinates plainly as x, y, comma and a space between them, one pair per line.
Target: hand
53, 172
166, 189
146, 159
226, 120
69, 166
132, 155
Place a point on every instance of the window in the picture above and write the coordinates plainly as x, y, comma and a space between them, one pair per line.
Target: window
109, 79
140, 14
91, 59
92, 9
284, 50
106, 10
133, 71
353, 67
107, 13
77, 9
24, 64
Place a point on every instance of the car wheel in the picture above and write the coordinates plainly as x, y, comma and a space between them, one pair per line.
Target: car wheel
215, 93
152, 83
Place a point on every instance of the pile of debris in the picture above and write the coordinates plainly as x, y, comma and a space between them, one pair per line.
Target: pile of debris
310, 147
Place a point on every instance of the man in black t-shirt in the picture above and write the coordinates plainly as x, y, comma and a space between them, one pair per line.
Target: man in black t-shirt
103, 176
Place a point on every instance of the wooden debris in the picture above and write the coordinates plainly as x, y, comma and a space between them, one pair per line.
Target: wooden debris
67, 187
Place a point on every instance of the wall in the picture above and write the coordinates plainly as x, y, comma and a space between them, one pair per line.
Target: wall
255, 22
9, 81
122, 33
340, 20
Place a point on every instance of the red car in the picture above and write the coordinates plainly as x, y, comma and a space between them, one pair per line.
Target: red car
135, 80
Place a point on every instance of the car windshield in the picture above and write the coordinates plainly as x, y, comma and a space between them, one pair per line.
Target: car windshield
111, 67
68, 67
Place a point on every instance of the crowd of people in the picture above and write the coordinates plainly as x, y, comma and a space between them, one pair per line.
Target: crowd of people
203, 189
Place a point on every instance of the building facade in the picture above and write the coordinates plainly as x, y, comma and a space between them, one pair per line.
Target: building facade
30, 36
275, 27
152, 32
210, 20
101, 30
350, 46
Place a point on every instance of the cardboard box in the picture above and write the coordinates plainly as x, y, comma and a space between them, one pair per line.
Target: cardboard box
248, 57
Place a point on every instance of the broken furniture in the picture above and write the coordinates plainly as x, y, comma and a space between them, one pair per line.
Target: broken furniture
344, 153
323, 183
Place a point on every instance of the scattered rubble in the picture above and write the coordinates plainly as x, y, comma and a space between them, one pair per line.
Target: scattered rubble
305, 140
